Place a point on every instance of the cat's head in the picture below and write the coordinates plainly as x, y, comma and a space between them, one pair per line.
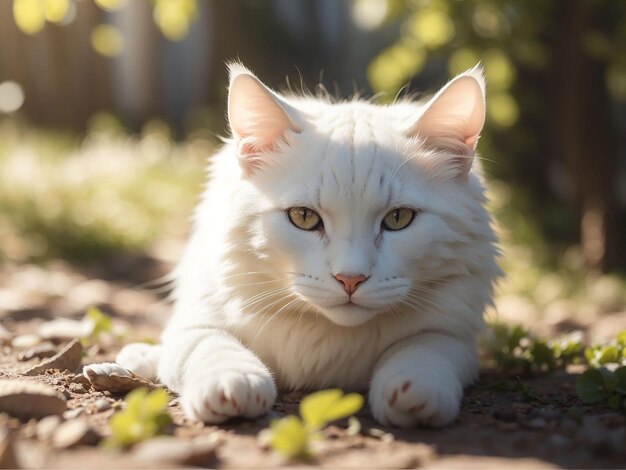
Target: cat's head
366, 207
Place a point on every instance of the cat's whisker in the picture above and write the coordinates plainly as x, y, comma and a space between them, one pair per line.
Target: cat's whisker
263, 296
277, 313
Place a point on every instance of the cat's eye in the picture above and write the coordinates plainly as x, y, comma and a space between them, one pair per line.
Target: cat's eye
398, 219
304, 218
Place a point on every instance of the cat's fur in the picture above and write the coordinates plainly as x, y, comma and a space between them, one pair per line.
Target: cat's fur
256, 303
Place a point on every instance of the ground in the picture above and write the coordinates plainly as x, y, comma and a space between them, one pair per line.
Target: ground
518, 422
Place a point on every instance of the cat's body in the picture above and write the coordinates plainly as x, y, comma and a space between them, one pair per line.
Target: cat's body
262, 299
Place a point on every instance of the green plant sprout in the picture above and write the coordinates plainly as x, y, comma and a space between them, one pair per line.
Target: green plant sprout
144, 417
99, 323
514, 349
603, 386
292, 436
611, 355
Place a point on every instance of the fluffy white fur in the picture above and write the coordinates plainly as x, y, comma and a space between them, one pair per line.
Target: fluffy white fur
256, 303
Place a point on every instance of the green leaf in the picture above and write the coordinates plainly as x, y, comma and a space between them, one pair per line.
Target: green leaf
156, 402
289, 437
101, 323
614, 401
620, 375
621, 338
320, 408
608, 379
590, 386
608, 355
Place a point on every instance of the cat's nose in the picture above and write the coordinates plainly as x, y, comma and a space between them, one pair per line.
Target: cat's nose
350, 282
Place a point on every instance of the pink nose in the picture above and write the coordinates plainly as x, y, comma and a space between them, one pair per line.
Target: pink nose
350, 283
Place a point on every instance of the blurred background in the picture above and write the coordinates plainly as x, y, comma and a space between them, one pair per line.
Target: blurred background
109, 110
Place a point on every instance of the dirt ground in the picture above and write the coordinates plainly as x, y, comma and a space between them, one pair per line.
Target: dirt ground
526, 422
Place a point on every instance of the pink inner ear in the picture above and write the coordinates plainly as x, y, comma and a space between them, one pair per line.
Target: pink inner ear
256, 117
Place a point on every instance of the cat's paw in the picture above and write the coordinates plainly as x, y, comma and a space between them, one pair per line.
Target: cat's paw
419, 397
221, 395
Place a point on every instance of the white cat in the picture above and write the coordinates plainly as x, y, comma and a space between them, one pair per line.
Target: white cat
337, 245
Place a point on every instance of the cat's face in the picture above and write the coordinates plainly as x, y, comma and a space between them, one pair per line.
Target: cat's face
359, 211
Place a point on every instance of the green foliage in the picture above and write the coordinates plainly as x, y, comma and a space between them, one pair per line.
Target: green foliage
607, 354
514, 349
603, 386
291, 436
63, 198
145, 416
101, 322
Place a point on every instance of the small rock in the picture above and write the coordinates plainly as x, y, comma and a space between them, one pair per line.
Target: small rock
68, 358
79, 379
77, 388
507, 426
199, 451
41, 351
26, 399
102, 405
64, 329
74, 413
47, 426
111, 377
505, 414
535, 423
8, 457
74, 433
548, 413
25, 341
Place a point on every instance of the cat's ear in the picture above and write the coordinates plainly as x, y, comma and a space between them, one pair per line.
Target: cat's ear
454, 117
259, 119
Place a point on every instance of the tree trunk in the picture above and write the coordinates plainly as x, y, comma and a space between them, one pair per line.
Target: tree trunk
586, 141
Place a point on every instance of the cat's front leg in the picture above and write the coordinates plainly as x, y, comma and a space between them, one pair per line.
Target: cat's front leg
217, 377
420, 380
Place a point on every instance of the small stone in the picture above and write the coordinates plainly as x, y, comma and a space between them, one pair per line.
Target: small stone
77, 388
548, 413
199, 451
74, 433
41, 351
74, 413
64, 329
68, 358
102, 405
507, 426
26, 399
47, 426
25, 341
79, 379
505, 414
535, 423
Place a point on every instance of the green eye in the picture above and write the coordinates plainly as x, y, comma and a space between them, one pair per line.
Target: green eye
304, 218
398, 219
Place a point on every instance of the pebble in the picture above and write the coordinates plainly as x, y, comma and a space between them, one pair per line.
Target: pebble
41, 351
74, 433
74, 413
77, 388
26, 399
102, 405
25, 341
536, 423
47, 426
505, 414
68, 358
548, 413
199, 451
558, 440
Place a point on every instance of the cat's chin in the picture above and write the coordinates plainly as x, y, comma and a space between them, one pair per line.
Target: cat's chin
349, 314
